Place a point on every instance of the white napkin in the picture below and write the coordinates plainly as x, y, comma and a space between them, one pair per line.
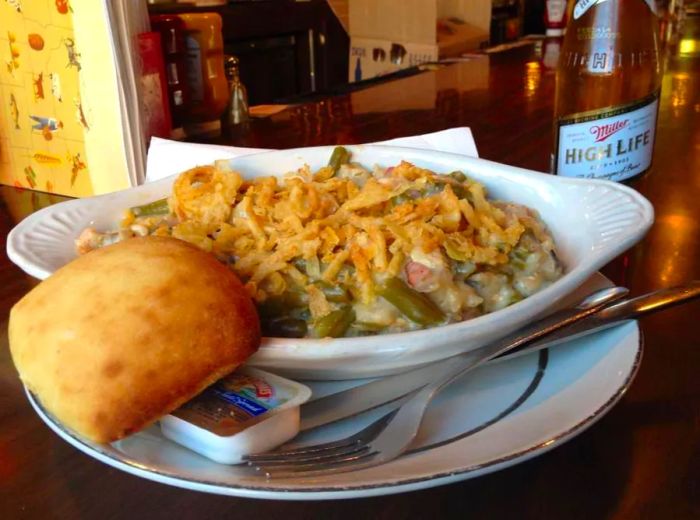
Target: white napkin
167, 157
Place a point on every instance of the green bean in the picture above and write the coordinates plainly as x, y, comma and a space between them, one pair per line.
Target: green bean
333, 293
464, 268
412, 304
432, 189
515, 298
518, 258
460, 191
339, 157
285, 328
456, 183
157, 207
281, 306
458, 176
335, 323
520, 253
300, 264
403, 198
366, 326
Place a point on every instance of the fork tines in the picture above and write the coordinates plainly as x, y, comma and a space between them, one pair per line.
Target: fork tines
323, 458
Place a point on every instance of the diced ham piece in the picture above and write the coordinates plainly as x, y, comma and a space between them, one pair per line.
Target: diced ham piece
88, 240
418, 275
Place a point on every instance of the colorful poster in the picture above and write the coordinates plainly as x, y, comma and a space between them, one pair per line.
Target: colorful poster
43, 116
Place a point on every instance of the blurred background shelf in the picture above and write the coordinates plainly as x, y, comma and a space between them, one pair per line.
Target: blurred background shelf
286, 48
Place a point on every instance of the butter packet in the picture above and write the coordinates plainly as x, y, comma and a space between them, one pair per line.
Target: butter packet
248, 411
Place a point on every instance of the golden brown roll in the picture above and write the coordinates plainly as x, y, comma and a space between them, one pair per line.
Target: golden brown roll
125, 334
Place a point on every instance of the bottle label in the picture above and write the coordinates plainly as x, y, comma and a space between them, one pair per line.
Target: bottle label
584, 5
614, 143
194, 69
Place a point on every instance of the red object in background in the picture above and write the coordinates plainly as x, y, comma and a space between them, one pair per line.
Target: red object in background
555, 17
62, 6
551, 49
173, 48
153, 86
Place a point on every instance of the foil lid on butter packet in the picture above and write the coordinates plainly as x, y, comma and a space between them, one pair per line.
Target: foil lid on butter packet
233, 403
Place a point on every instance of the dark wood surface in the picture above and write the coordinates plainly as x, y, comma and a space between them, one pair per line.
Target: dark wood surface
642, 460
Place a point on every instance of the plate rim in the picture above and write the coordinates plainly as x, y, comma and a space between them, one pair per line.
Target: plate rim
129, 465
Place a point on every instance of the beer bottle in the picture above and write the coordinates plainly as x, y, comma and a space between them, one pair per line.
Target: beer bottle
607, 92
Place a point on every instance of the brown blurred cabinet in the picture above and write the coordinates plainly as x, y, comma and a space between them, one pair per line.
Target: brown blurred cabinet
286, 48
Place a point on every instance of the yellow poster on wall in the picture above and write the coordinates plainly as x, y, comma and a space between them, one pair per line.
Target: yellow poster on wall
60, 119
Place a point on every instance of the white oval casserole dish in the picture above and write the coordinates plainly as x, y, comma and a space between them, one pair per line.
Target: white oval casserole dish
592, 222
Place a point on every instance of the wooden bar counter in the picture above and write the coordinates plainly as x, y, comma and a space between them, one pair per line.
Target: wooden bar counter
642, 460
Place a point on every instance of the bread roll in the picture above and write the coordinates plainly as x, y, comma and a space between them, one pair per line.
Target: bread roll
125, 334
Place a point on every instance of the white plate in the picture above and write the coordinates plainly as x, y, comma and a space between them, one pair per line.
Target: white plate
495, 417
592, 222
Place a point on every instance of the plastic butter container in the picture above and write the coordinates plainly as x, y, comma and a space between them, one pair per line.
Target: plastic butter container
249, 411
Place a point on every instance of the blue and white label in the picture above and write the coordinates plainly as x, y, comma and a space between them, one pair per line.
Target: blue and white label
248, 405
615, 144
582, 6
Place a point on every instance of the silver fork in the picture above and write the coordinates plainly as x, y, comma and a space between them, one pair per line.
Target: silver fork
391, 434
373, 445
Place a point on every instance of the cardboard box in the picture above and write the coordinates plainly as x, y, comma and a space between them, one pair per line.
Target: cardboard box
389, 35
395, 20
455, 37
370, 58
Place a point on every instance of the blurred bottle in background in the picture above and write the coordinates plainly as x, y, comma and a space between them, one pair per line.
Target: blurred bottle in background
236, 112
607, 90
506, 21
555, 17
671, 18
206, 80
172, 38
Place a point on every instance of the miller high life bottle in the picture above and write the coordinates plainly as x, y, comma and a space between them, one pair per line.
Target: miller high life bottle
607, 94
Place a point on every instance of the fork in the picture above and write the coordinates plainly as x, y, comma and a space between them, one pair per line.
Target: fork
373, 445
391, 434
